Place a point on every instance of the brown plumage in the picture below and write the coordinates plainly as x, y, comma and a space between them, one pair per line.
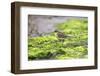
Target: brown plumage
61, 34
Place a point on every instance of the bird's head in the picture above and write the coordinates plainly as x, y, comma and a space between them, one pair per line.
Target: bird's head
56, 31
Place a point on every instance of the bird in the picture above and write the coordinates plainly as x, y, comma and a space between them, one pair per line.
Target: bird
61, 34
